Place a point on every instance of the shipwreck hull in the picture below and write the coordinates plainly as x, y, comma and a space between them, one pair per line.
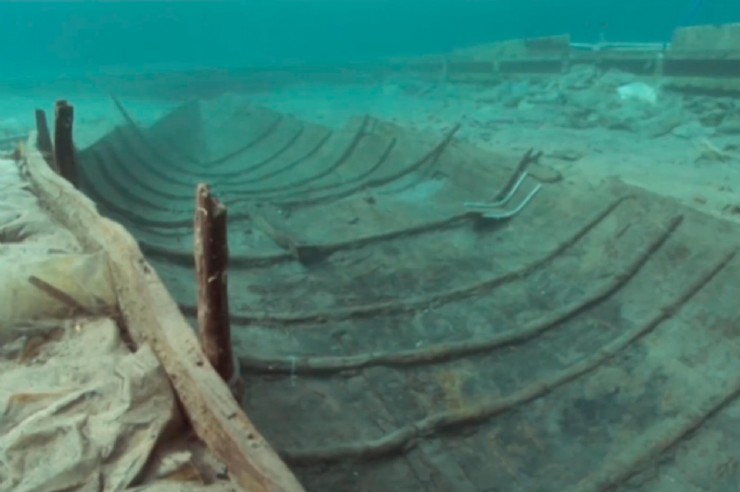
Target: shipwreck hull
392, 338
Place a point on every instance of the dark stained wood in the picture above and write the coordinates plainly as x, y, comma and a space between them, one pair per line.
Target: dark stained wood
64, 149
211, 264
43, 139
569, 348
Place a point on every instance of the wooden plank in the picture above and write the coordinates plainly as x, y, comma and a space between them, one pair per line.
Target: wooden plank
152, 317
64, 150
211, 261
271, 225
43, 140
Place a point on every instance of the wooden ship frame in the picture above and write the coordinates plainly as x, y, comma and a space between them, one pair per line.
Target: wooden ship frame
406, 311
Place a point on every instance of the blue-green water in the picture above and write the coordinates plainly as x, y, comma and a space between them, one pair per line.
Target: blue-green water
67, 35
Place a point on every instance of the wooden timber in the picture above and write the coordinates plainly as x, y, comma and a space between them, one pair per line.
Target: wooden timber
151, 316
211, 262
428, 350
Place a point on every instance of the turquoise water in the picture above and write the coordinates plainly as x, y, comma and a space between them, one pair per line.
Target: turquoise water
68, 35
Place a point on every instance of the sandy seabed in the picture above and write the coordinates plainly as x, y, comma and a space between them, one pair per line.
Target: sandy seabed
685, 147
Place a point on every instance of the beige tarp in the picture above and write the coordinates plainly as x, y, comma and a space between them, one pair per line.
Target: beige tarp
78, 409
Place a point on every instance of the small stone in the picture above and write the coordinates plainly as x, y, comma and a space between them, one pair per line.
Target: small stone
566, 154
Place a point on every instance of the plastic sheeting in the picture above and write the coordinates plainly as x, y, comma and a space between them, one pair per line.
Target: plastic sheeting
82, 413
78, 410
55, 286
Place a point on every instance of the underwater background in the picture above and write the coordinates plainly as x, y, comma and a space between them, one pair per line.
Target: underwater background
510, 267
66, 36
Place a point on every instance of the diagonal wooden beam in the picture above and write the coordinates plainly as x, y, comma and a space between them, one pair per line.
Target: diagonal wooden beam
152, 317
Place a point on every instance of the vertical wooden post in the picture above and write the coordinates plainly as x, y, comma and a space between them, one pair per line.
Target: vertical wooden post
211, 263
43, 139
64, 149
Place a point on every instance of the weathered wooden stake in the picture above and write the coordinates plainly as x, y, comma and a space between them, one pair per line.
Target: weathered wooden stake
211, 263
43, 139
64, 149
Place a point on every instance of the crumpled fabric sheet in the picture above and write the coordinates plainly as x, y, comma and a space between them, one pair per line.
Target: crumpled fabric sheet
39, 259
54, 286
78, 410
24, 227
85, 414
